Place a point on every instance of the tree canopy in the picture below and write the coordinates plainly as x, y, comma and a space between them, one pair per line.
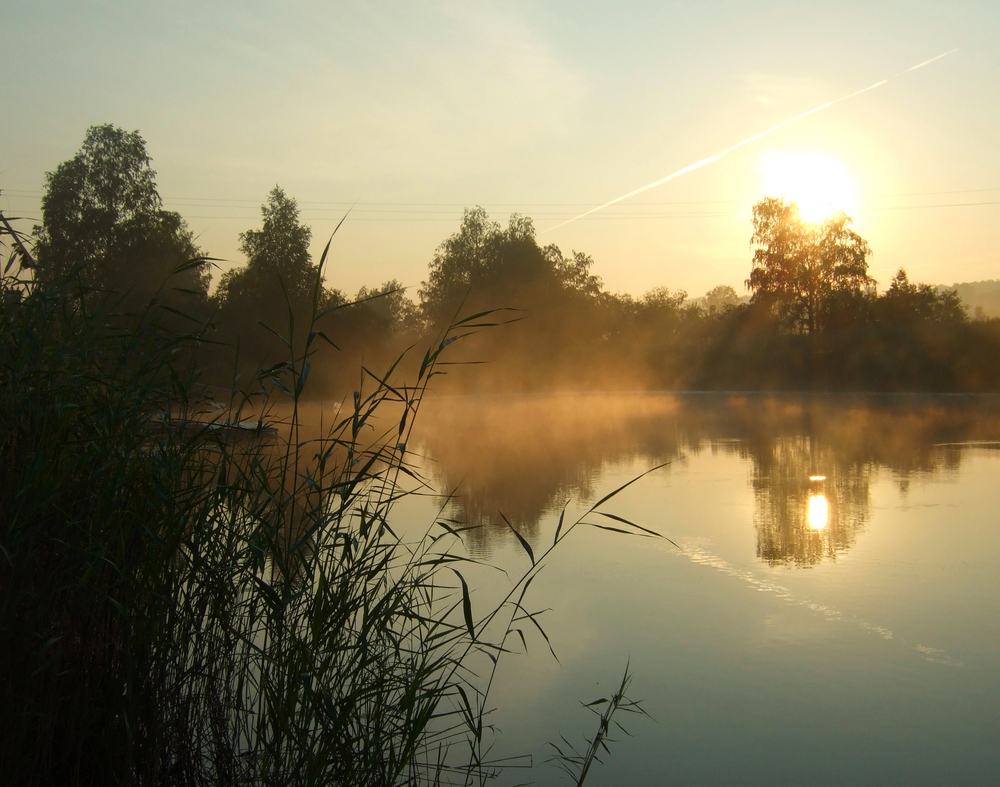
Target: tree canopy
799, 266
103, 221
906, 304
277, 255
278, 281
720, 298
500, 265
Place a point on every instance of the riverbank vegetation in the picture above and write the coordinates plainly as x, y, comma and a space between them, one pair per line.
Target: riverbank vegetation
186, 604
187, 598
815, 319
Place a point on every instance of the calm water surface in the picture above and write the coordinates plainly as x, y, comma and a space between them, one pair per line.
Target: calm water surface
832, 613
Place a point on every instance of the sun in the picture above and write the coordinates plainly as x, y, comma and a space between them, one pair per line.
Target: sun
820, 185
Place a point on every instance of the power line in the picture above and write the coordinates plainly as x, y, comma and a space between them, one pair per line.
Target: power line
404, 211
932, 193
604, 217
252, 203
256, 203
919, 207
452, 217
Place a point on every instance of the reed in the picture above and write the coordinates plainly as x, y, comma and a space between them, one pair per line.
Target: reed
185, 603
576, 764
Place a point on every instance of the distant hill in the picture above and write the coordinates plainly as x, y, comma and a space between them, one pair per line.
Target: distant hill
984, 295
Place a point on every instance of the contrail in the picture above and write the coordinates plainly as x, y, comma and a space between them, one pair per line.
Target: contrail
747, 141
928, 62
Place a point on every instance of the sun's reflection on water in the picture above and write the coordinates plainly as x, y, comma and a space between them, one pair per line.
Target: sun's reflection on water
810, 500
817, 512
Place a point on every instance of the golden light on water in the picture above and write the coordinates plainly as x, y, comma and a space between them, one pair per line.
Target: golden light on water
820, 185
817, 512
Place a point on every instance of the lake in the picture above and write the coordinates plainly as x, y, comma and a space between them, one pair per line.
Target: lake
828, 612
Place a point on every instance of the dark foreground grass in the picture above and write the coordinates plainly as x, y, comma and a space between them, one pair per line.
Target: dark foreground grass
191, 606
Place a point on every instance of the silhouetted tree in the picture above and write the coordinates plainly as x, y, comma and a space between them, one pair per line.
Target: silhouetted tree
277, 257
905, 302
102, 220
798, 265
718, 299
386, 311
500, 267
277, 283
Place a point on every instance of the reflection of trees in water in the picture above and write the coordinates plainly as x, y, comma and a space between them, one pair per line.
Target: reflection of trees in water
847, 440
526, 455
800, 521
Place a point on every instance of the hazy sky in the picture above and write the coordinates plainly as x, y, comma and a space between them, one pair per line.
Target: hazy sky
548, 108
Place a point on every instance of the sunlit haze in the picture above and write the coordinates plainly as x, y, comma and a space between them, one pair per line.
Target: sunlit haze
417, 111
820, 186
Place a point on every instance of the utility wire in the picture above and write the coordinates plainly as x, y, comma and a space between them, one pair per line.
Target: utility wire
421, 212
235, 202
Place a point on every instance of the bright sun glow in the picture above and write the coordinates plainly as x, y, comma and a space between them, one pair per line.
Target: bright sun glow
821, 186
817, 512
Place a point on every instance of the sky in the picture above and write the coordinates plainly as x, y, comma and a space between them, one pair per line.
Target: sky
413, 111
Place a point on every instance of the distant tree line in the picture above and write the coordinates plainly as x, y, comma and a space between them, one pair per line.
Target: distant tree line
815, 319
982, 297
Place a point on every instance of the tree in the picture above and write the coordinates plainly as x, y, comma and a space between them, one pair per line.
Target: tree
718, 299
559, 302
905, 303
799, 266
278, 266
277, 256
102, 221
386, 311
501, 267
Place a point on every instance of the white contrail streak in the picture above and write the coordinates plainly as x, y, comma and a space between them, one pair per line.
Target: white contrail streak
747, 141
928, 62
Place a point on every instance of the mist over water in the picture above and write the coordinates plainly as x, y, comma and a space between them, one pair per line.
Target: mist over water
835, 588
525, 455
